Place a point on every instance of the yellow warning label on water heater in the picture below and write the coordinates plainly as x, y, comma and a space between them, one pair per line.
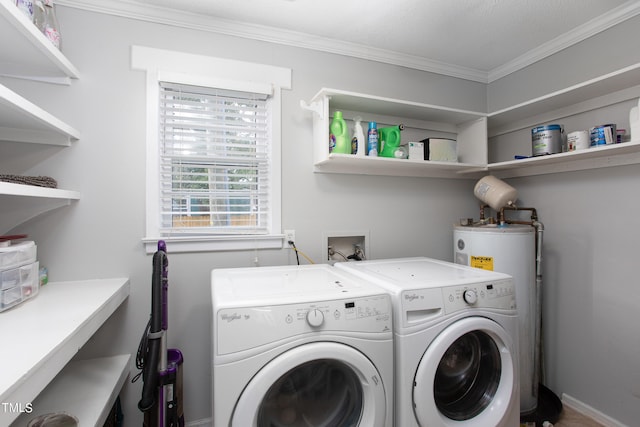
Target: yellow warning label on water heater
483, 262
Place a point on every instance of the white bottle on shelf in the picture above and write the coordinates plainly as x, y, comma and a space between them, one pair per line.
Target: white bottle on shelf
358, 143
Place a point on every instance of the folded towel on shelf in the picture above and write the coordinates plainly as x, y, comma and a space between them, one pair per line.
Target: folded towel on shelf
40, 181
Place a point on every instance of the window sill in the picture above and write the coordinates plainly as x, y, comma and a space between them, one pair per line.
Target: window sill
214, 243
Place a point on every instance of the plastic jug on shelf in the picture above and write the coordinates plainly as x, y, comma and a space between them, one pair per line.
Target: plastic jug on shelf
339, 141
390, 140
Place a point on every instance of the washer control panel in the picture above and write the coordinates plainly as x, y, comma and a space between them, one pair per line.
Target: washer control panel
244, 328
495, 295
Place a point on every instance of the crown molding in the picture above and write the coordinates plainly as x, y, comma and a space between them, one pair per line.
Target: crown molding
134, 10
590, 28
142, 11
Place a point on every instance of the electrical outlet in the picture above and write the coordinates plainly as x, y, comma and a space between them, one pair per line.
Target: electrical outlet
289, 236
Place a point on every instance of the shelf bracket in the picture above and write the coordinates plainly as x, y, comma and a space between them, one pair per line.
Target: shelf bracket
315, 107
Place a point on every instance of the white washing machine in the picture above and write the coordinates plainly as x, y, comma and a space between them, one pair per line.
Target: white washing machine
456, 342
300, 346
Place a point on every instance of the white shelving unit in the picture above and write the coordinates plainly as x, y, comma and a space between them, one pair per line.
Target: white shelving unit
26, 53
99, 379
469, 128
473, 130
42, 335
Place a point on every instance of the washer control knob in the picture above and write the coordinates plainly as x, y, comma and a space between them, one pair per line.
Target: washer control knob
315, 317
470, 296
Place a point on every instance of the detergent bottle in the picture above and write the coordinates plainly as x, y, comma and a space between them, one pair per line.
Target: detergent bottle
390, 140
358, 144
339, 135
372, 140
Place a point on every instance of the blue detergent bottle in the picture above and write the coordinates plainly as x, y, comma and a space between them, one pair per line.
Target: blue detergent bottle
339, 141
372, 140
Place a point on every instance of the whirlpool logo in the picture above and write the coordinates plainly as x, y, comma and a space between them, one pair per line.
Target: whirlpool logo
230, 317
411, 297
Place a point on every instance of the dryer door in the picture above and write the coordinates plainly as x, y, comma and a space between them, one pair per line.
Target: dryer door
466, 377
319, 384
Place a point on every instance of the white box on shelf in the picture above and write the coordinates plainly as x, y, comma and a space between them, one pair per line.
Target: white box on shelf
416, 150
442, 149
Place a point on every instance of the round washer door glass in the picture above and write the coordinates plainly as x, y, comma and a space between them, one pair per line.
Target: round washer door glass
466, 370
323, 392
317, 384
467, 376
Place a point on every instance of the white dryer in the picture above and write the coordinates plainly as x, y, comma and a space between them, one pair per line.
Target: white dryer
456, 341
300, 346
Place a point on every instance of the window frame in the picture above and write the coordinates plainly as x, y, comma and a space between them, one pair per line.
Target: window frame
197, 70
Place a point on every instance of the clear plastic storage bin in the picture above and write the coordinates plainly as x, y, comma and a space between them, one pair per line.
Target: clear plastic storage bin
17, 254
18, 285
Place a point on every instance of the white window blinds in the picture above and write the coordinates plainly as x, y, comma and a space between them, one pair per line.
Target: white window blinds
214, 161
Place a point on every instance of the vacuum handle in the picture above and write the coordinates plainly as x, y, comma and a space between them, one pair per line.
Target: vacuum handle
150, 377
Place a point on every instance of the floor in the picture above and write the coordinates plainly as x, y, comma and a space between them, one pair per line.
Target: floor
571, 418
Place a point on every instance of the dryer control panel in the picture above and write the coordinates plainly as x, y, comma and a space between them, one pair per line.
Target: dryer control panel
492, 295
424, 305
244, 328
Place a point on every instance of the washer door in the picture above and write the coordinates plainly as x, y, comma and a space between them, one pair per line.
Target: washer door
466, 376
319, 384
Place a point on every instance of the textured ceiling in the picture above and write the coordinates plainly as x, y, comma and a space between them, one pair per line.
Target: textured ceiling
480, 35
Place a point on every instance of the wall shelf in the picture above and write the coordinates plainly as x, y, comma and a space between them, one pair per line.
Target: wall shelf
346, 163
26, 52
502, 121
23, 121
469, 128
591, 158
45, 332
96, 381
20, 202
473, 129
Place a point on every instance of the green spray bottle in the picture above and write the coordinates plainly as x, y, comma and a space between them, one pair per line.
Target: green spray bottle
339, 141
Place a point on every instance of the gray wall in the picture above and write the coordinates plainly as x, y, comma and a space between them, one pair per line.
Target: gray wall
590, 285
100, 236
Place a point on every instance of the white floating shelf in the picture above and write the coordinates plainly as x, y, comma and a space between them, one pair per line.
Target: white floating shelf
19, 202
350, 164
86, 389
591, 158
26, 52
23, 121
378, 105
600, 86
44, 333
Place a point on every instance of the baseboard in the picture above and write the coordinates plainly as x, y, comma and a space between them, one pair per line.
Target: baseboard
567, 400
589, 411
206, 422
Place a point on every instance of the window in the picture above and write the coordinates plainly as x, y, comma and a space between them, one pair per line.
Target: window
214, 161
213, 151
